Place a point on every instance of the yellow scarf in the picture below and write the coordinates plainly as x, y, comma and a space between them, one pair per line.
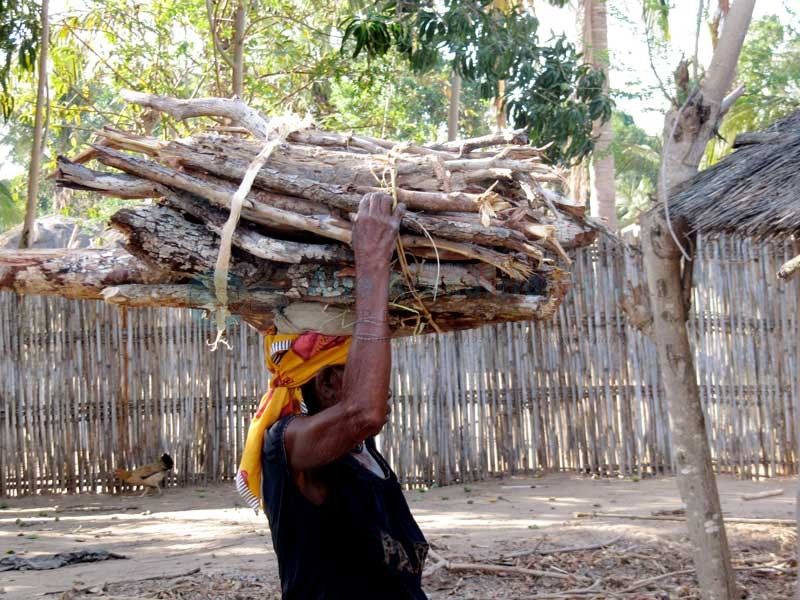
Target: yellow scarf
293, 360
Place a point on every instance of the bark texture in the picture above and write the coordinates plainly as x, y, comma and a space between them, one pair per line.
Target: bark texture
790, 268
695, 473
687, 131
479, 241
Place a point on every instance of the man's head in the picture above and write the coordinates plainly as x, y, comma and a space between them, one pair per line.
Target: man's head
324, 389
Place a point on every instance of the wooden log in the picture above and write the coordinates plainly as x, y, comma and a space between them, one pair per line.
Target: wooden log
122, 185
346, 198
235, 110
323, 225
75, 273
118, 277
306, 161
117, 184
249, 239
508, 264
333, 177
790, 268
518, 136
761, 495
161, 236
78, 177
258, 212
255, 306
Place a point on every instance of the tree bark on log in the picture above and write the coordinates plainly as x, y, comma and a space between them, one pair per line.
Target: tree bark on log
790, 268
477, 244
326, 225
128, 186
118, 277
257, 244
161, 236
235, 110
80, 274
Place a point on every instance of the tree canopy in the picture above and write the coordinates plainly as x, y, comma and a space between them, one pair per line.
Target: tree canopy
374, 67
19, 41
549, 90
769, 69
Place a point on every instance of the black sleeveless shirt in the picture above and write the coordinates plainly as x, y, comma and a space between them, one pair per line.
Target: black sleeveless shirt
361, 543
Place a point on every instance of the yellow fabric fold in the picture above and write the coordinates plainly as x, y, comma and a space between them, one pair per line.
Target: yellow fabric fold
293, 360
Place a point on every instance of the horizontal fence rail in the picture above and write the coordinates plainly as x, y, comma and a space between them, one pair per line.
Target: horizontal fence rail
87, 387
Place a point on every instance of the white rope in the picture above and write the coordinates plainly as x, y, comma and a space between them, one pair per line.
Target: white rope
281, 128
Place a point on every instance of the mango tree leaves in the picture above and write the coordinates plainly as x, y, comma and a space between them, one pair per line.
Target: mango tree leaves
549, 90
769, 69
19, 43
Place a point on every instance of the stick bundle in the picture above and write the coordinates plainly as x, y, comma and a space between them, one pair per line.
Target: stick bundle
481, 240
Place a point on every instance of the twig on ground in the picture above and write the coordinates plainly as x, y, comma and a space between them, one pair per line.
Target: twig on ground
760, 495
536, 550
488, 568
738, 520
194, 571
443, 563
645, 582
592, 589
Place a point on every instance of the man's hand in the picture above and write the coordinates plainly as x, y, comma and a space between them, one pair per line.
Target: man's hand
361, 411
375, 232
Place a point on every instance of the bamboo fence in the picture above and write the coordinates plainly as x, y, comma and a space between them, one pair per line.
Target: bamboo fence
86, 387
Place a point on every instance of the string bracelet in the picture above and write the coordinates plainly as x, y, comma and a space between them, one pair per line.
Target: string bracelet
372, 321
369, 338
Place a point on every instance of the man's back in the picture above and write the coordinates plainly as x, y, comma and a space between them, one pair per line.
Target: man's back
360, 543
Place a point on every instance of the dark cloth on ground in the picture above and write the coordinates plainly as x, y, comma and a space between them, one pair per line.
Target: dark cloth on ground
361, 543
55, 561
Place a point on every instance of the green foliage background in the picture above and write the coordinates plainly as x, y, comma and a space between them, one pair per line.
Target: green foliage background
390, 78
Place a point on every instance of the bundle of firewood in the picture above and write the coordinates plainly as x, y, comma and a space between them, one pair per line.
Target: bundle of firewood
483, 239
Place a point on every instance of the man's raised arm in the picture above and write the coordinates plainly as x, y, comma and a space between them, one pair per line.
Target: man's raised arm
361, 412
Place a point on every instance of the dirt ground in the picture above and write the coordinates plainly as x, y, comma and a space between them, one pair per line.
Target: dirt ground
202, 543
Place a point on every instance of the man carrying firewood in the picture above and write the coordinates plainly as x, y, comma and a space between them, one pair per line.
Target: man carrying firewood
340, 525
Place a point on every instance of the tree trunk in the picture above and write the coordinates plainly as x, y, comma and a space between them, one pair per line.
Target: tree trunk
157, 273
797, 421
578, 183
695, 473
455, 101
28, 229
602, 170
695, 122
238, 67
687, 131
500, 106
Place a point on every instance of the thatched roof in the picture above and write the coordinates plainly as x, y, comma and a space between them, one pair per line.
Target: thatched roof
754, 191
